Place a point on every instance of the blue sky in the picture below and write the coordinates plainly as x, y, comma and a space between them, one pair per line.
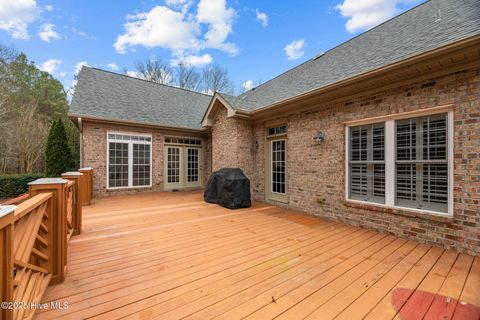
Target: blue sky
254, 40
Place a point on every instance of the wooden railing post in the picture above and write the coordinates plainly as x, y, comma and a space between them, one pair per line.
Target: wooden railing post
6, 259
57, 187
86, 188
77, 177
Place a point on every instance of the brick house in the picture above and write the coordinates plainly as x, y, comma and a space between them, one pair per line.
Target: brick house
382, 131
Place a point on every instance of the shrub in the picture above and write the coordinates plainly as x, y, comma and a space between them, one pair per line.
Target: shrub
13, 185
58, 155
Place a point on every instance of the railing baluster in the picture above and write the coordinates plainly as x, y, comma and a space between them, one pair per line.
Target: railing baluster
76, 208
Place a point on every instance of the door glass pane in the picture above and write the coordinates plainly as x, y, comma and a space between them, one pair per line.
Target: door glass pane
278, 166
193, 165
173, 165
141, 164
117, 164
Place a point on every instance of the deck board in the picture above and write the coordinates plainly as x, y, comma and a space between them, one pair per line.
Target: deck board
172, 256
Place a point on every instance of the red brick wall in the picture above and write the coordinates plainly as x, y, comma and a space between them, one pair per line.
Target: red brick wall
232, 143
207, 158
94, 154
315, 174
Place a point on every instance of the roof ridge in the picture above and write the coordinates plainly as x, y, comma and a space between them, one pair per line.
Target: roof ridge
236, 97
277, 76
148, 81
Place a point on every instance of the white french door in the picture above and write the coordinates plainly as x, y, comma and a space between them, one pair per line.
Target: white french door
183, 167
173, 167
276, 188
193, 177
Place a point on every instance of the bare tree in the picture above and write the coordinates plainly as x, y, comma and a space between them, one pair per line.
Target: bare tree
155, 70
30, 134
7, 54
215, 78
186, 77
7, 129
3, 107
28, 99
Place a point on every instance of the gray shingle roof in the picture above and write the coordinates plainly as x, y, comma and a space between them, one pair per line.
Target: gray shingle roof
237, 102
430, 25
103, 94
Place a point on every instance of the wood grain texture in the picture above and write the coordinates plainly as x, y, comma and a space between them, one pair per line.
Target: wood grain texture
172, 256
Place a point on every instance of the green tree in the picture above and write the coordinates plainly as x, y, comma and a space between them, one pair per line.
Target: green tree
57, 154
30, 100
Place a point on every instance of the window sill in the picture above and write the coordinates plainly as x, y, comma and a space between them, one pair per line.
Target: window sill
406, 212
127, 188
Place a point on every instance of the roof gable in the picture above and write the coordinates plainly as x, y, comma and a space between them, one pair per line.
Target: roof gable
221, 100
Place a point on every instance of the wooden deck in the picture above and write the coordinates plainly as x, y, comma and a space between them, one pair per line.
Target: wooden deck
172, 256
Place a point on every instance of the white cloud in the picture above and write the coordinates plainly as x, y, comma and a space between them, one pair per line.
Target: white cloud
134, 74
82, 34
219, 19
16, 16
193, 60
247, 85
160, 27
78, 66
49, 7
112, 66
262, 17
51, 65
364, 14
184, 31
62, 74
47, 32
295, 49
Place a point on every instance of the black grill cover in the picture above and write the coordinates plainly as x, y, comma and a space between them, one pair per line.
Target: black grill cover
228, 187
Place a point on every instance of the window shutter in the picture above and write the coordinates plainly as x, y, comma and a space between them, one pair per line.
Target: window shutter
421, 163
367, 163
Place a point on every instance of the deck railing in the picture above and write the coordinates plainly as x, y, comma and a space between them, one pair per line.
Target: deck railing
34, 236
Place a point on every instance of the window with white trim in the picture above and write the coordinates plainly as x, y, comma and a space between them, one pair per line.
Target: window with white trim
367, 163
129, 160
416, 169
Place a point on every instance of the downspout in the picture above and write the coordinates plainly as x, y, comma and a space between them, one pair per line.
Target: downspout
80, 128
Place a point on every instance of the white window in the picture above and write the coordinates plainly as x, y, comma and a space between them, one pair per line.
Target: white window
402, 162
129, 160
367, 163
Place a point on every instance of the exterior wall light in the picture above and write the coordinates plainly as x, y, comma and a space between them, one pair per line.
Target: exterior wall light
319, 137
255, 146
